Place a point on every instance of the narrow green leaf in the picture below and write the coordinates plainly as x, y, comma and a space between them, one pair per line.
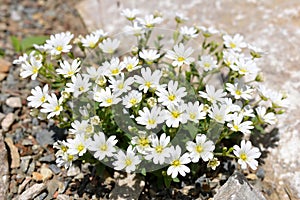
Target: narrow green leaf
16, 43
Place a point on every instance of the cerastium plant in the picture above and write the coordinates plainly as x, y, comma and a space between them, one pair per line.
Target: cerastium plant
162, 106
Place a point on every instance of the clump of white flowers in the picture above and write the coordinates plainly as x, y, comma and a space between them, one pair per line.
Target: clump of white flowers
153, 107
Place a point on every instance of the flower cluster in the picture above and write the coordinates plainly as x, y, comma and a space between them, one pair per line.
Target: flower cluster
131, 108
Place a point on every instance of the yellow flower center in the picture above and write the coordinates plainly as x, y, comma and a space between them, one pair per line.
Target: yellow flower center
172, 97
103, 147
199, 148
238, 92
35, 70
128, 162
115, 71
176, 163
243, 70
236, 127
243, 156
64, 148
121, 86
192, 115
144, 142
59, 48
57, 108
148, 84
175, 114
92, 44
159, 149
133, 101
109, 100
70, 157
80, 147
89, 129
206, 65
232, 45
70, 73
219, 118
129, 66
151, 121
81, 88
43, 99
180, 59
149, 25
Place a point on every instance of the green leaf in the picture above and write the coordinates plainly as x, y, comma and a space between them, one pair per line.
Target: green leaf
176, 180
167, 180
143, 172
28, 42
16, 43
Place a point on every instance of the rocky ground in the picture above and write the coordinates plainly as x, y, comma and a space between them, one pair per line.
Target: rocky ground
28, 168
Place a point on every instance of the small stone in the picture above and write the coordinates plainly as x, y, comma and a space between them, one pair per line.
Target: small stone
41, 196
238, 188
251, 177
1, 116
25, 163
47, 158
33, 191
260, 173
15, 15
62, 197
62, 187
31, 168
4, 65
23, 184
14, 102
8, 121
79, 176
4, 169
52, 186
37, 176
73, 171
45, 137
54, 168
27, 142
14, 154
2, 76
46, 172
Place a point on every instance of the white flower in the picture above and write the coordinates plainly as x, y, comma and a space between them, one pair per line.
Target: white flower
135, 29
53, 107
79, 85
113, 68
150, 118
159, 150
178, 162
238, 125
247, 111
119, 85
149, 55
201, 149
148, 80
106, 97
150, 21
100, 33
175, 115
132, 98
230, 107
102, 148
195, 111
79, 127
21, 59
263, 116
180, 55
213, 163
207, 32
31, 68
230, 58
213, 95
130, 14
245, 66
90, 40
278, 99
207, 63
77, 146
59, 43
39, 96
68, 70
131, 63
256, 52
247, 154
141, 142
109, 46
219, 113
94, 73
180, 18
171, 95
188, 32
236, 42
66, 160
239, 90
129, 161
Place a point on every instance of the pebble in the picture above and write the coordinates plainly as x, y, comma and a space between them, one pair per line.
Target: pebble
47, 158
260, 173
45, 137
27, 142
52, 186
8, 121
14, 102
14, 154
56, 170
2, 76
25, 163
37, 176
62, 197
33, 191
62, 186
41, 196
46, 173
4, 169
31, 168
4, 65
73, 171
23, 184
1, 116
18, 135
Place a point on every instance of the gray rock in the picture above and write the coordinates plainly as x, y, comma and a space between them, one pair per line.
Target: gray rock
238, 188
54, 168
73, 171
47, 158
4, 174
41, 196
33, 191
14, 153
129, 187
14, 102
45, 137
1, 116
25, 163
8, 121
